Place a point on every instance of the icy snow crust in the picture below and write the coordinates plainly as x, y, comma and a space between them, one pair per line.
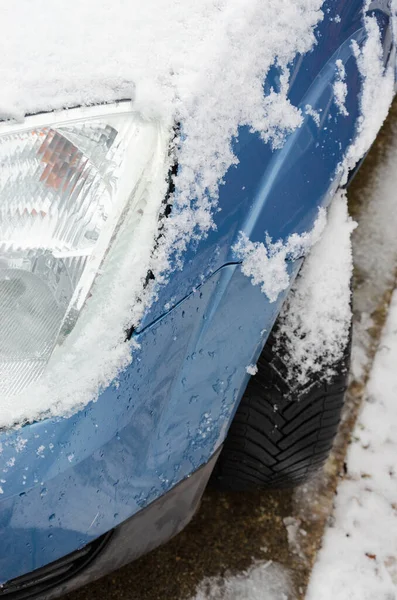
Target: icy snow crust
202, 64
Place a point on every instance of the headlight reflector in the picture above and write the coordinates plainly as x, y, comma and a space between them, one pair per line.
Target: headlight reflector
66, 182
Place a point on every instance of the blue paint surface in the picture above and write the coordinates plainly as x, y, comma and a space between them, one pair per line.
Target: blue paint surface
67, 481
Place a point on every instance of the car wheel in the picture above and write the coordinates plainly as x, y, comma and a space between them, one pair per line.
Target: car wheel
280, 435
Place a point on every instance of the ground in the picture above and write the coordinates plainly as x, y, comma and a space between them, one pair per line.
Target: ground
274, 537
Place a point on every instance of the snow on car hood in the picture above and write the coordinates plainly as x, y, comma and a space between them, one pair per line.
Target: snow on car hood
63, 54
202, 64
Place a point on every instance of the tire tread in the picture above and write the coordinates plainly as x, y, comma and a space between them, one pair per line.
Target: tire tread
281, 436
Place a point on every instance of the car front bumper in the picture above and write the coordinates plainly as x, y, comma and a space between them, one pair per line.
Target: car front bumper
68, 481
143, 532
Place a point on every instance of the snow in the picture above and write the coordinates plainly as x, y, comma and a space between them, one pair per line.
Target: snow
316, 317
266, 264
262, 581
227, 94
378, 91
252, 369
309, 110
340, 88
201, 64
358, 559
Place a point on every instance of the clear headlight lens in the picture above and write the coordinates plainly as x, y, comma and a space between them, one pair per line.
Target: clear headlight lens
66, 181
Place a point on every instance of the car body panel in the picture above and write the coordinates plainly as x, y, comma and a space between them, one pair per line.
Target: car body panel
66, 481
94, 470
279, 192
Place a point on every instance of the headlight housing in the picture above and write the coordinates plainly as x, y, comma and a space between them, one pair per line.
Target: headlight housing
69, 182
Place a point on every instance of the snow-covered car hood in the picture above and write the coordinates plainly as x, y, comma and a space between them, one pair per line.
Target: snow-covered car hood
199, 63
63, 54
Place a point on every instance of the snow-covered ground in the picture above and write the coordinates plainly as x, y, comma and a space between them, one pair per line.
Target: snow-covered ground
358, 560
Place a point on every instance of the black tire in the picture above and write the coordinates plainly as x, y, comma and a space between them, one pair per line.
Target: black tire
280, 437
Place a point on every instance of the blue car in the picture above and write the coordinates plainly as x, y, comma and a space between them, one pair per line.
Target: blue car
114, 417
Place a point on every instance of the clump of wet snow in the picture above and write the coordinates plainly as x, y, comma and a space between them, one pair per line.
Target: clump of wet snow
316, 317
266, 264
262, 581
201, 64
377, 91
252, 369
358, 559
309, 110
340, 88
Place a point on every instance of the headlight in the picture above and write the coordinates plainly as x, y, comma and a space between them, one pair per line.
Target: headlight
68, 182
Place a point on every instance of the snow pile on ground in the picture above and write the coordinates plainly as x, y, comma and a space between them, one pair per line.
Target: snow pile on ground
263, 581
315, 320
266, 264
295, 533
358, 560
